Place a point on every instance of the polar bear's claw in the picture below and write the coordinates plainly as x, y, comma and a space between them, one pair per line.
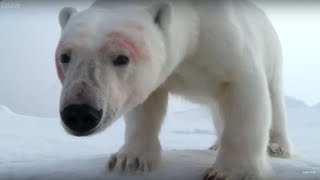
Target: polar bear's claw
218, 174
214, 147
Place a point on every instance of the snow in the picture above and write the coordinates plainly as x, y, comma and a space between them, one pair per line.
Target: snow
294, 103
38, 148
5, 109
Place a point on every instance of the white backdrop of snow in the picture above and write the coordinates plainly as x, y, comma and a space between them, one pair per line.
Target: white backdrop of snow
38, 148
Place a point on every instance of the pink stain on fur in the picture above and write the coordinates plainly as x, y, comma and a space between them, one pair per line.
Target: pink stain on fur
134, 25
117, 41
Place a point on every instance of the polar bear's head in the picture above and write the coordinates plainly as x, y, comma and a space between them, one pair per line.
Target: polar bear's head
108, 61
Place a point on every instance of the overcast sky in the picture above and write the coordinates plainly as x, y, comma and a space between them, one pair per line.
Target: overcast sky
29, 34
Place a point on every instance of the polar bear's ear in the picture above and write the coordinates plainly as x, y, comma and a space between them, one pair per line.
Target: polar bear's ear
161, 14
65, 15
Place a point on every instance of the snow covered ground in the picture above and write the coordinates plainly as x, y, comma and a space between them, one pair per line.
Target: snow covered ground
38, 148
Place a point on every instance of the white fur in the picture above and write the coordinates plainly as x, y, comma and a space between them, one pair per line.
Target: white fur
223, 54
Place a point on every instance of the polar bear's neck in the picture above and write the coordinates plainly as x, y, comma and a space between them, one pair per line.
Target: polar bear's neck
183, 35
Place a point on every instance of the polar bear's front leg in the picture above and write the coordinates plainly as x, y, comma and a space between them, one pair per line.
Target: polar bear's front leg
142, 150
245, 108
218, 124
279, 144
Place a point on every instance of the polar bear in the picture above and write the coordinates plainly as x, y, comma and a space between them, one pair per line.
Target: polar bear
125, 57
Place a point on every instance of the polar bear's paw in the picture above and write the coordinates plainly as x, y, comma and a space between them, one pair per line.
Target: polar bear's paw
238, 172
123, 162
279, 150
214, 147
215, 173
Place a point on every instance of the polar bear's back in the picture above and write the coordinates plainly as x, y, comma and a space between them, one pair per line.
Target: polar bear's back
233, 29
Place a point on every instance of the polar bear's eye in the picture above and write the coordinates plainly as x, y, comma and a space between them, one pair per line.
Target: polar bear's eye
65, 58
121, 60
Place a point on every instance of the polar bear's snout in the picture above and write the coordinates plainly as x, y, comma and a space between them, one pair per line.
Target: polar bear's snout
81, 119
81, 111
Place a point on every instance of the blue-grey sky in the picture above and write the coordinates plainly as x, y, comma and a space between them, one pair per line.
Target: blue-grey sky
298, 26
29, 34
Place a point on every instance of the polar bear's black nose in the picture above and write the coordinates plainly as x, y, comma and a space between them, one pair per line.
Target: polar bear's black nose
81, 119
